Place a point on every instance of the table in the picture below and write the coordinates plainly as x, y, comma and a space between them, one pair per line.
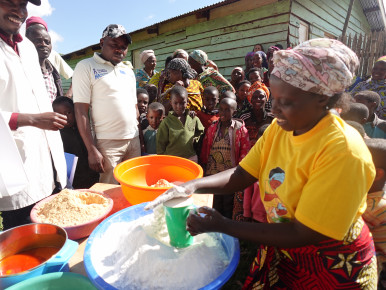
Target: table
120, 202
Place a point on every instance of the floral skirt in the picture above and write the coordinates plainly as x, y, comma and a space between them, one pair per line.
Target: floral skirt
331, 264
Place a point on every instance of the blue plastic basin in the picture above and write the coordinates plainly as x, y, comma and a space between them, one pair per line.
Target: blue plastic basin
230, 244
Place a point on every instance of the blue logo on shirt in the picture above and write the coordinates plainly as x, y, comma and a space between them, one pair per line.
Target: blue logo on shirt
98, 73
122, 72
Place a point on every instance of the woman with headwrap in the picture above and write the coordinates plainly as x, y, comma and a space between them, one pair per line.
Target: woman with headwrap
314, 171
144, 75
181, 74
207, 75
376, 84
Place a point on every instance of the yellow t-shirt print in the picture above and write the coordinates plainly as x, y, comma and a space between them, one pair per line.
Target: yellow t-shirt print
276, 211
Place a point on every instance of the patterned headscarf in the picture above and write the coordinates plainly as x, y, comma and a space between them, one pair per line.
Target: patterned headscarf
322, 66
183, 66
257, 86
248, 55
199, 56
144, 55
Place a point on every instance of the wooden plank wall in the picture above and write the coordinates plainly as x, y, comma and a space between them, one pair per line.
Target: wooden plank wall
226, 37
326, 16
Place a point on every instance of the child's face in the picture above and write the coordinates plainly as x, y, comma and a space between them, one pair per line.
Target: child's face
210, 100
143, 102
154, 118
379, 71
237, 75
179, 104
242, 92
254, 76
68, 111
258, 100
257, 61
369, 104
249, 62
225, 112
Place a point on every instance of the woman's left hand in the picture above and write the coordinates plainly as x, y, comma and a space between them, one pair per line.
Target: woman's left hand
210, 221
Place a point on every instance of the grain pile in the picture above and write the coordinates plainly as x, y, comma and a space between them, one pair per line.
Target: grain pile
162, 183
72, 207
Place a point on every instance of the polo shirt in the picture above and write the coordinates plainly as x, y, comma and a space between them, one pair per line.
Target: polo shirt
111, 92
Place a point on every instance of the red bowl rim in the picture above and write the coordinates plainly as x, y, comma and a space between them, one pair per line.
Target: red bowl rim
47, 199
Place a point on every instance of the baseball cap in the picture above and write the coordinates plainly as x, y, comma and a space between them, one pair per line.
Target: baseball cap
36, 2
115, 31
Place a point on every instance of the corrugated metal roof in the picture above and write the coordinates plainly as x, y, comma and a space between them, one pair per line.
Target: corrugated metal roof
200, 10
375, 13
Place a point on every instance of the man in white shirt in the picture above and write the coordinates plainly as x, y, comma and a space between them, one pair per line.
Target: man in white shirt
106, 86
25, 106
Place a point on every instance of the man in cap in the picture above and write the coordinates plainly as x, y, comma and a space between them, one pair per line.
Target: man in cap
106, 87
25, 106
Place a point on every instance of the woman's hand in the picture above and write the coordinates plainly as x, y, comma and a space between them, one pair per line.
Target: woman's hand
206, 220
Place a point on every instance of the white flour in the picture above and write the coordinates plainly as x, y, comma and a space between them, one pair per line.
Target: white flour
137, 255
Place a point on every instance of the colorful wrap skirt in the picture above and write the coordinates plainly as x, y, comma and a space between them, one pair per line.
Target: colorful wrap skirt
331, 264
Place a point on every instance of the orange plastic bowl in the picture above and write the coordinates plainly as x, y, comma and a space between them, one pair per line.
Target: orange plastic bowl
79, 231
136, 175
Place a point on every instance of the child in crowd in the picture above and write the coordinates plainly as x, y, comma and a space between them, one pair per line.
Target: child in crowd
142, 103
179, 132
155, 114
209, 112
152, 91
225, 144
73, 143
228, 94
356, 112
374, 126
244, 108
375, 214
253, 206
254, 75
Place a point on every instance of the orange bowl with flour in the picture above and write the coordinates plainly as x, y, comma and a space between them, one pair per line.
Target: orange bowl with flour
77, 211
137, 175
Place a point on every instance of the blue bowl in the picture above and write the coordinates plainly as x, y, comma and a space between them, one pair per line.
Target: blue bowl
230, 244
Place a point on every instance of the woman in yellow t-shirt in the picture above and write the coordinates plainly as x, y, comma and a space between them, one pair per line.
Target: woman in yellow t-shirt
314, 172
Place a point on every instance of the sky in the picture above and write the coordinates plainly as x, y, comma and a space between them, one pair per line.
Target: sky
76, 24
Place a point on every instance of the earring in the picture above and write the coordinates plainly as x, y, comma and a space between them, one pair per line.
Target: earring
327, 108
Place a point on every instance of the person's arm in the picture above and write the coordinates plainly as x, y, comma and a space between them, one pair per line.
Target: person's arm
46, 121
95, 158
283, 235
69, 92
162, 137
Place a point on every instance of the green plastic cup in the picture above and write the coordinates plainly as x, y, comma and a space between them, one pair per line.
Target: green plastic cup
176, 213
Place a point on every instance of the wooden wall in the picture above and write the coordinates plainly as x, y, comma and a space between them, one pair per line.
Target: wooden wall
325, 18
231, 32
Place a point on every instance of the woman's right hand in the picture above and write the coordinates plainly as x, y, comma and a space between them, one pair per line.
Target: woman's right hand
183, 190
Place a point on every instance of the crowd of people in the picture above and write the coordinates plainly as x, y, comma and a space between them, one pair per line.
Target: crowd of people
290, 156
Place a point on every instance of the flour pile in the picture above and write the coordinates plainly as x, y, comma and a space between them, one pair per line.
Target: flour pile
137, 255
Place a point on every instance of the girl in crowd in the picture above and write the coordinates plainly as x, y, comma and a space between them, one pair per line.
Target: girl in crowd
144, 75
254, 75
237, 76
181, 74
258, 47
180, 53
225, 144
267, 74
179, 133
260, 62
249, 61
160, 79
315, 237
244, 108
376, 84
208, 76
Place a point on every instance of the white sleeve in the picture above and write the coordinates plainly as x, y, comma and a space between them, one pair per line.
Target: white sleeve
81, 83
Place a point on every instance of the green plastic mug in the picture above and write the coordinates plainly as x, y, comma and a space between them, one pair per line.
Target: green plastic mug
176, 213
